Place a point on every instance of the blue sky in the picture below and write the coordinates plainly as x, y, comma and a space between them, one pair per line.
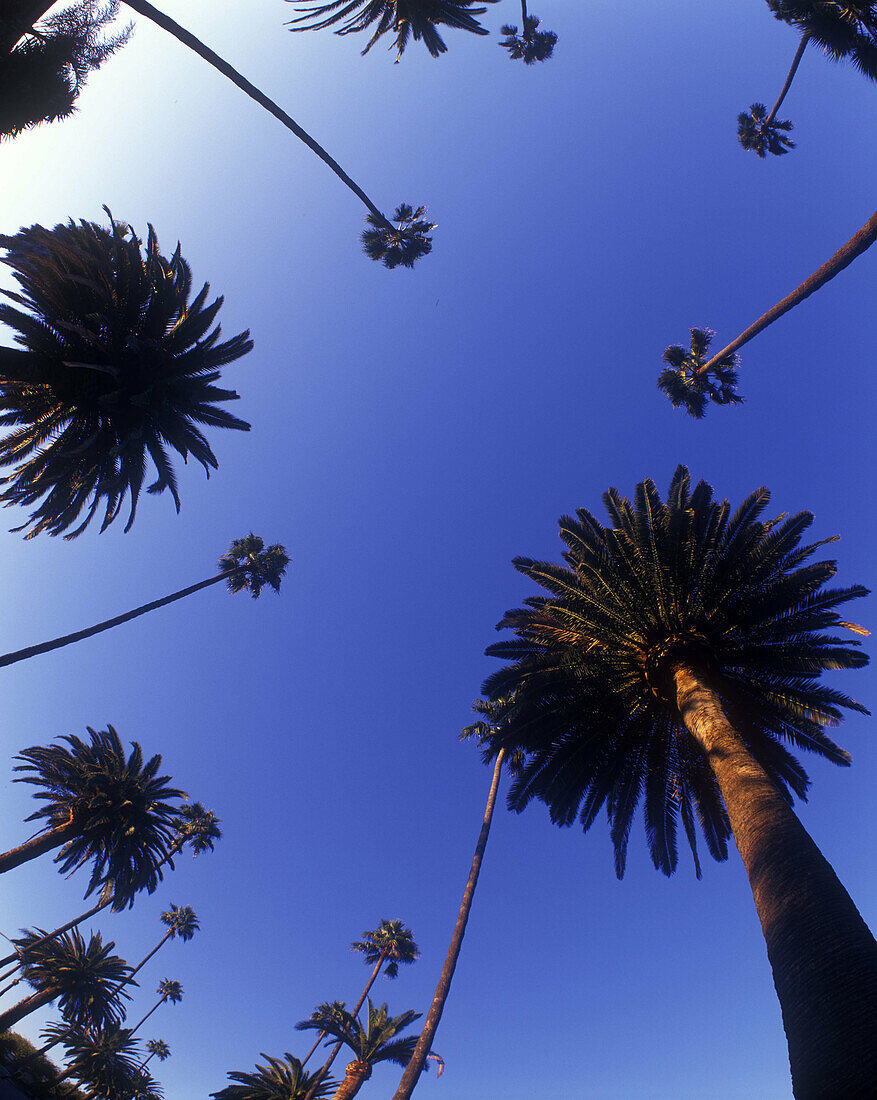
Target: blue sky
412, 432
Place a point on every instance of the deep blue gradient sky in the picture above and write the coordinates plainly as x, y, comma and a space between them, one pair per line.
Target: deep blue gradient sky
412, 432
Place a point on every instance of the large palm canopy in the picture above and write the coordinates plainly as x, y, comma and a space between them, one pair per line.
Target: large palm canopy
403, 17
595, 710
376, 1041
105, 1059
250, 566
280, 1079
391, 942
118, 366
120, 812
843, 30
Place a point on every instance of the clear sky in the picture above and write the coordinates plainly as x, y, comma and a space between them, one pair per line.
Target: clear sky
412, 432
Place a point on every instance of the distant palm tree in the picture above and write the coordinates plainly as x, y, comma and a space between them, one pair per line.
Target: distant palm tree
403, 243
181, 923
675, 655
82, 978
280, 1079
117, 813
375, 1042
246, 567
157, 1048
687, 384
531, 45
117, 363
417, 18
494, 714
168, 990
761, 133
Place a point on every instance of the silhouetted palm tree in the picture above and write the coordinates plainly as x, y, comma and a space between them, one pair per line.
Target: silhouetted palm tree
675, 654
99, 806
106, 1060
280, 1079
762, 134
159, 1049
181, 923
417, 18
494, 713
168, 990
118, 363
82, 978
687, 384
845, 30
403, 243
531, 45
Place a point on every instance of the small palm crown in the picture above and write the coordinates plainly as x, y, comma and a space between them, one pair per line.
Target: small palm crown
103, 1058
139, 1085
487, 731
754, 132
280, 1079
684, 386
197, 827
666, 585
405, 18
393, 942
40, 80
182, 922
120, 812
403, 243
159, 1048
84, 977
170, 990
843, 30
250, 566
531, 45
118, 364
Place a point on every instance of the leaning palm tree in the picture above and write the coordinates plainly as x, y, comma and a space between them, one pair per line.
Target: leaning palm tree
494, 713
375, 1042
280, 1079
531, 45
405, 18
102, 808
675, 656
116, 364
168, 990
181, 923
248, 566
688, 381
82, 978
157, 1048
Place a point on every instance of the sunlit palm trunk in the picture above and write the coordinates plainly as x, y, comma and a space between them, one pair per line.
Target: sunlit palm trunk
24, 1008
37, 846
355, 1077
785, 90
418, 1059
823, 957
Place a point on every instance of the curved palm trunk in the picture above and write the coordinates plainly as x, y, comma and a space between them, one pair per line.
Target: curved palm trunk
823, 957
54, 935
34, 847
418, 1059
30, 1004
355, 1077
844, 256
805, 38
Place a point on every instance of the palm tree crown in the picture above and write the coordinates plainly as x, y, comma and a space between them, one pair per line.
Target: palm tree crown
391, 942
403, 243
403, 17
181, 922
159, 1049
198, 827
120, 812
280, 1079
106, 1059
250, 566
531, 45
681, 582
687, 384
760, 136
843, 30
170, 990
118, 363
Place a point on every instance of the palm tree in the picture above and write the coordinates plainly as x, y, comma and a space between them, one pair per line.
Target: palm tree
247, 567
168, 990
41, 78
157, 1048
761, 133
495, 713
403, 17
117, 364
82, 978
688, 383
100, 807
455, 10
847, 30
181, 924
531, 45
105, 1059
280, 1079
402, 243
374, 1043
675, 653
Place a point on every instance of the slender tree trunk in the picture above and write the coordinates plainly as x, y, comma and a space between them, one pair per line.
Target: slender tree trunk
30, 1004
418, 1059
844, 256
802, 45
54, 935
137, 1026
143, 962
823, 957
307, 1057
524, 17
355, 1077
36, 846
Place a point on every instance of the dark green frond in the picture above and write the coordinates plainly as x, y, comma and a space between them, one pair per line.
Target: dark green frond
400, 244
684, 386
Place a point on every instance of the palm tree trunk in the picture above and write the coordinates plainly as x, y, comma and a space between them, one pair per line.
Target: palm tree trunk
54, 935
36, 846
523, 17
307, 1057
30, 1004
144, 961
823, 957
805, 38
844, 256
418, 1059
160, 1001
353, 1081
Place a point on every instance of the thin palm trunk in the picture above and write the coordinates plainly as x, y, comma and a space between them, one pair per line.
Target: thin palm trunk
144, 961
30, 1004
797, 61
418, 1059
36, 846
523, 17
138, 1025
16, 958
844, 256
307, 1057
823, 957
11, 985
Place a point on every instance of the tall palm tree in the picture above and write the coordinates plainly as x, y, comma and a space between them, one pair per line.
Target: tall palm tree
104, 1059
99, 806
30, 11
117, 364
687, 383
405, 18
280, 1079
181, 923
494, 714
531, 45
375, 1042
675, 653
82, 978
247, 567
157, 1048
168, 990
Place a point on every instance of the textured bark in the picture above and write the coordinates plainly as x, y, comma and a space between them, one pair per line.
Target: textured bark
418, 1059
37, 846
23, 1008
823, 957
356, 1075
